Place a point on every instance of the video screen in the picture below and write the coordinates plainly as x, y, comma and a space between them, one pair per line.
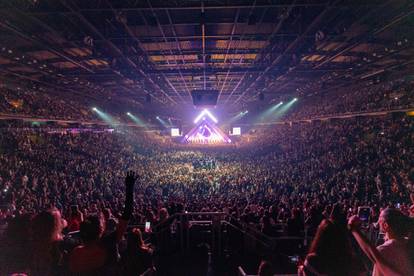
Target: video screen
175, 132
236, 131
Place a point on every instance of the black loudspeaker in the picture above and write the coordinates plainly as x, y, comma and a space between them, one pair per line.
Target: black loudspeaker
148, 98
204, 97
261, 96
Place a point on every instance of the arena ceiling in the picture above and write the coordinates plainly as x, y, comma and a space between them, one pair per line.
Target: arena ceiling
130, 49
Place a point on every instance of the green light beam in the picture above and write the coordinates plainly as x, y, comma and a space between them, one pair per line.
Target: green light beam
136, 120
269, 112
105, 117
284, 109
163, 123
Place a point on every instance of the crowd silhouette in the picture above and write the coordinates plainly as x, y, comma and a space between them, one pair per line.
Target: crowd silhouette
311, 177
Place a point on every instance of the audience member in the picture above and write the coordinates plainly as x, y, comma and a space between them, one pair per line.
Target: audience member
395, 255
98, 254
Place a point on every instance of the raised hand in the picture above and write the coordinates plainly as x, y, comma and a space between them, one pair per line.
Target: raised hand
354, 223
130, 179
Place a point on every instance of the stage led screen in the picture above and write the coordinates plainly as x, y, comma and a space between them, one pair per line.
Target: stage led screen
236, 131
175, 132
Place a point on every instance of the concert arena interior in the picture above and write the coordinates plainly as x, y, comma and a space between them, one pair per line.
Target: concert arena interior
206, 138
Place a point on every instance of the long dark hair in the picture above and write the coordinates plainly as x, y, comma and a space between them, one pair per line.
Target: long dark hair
400, 224
331, 246
402, 227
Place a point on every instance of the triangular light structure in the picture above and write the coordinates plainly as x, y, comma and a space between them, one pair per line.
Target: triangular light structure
206, 133
204, 113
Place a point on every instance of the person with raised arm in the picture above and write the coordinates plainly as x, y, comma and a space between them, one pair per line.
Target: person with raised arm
98, 254
395, 256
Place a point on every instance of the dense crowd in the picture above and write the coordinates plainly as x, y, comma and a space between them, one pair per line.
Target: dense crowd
293, 174
386, 95
36, 103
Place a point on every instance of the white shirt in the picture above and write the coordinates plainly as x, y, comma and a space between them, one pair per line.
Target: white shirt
395, 252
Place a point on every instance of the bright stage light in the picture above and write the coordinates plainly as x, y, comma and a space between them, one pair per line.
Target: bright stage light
106, 117
136, 119
162, 122
201, 115
175, 132
284, 109
206, 132
273, 108
236, 117
198, 117
271, 111
211, 116
236, 131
